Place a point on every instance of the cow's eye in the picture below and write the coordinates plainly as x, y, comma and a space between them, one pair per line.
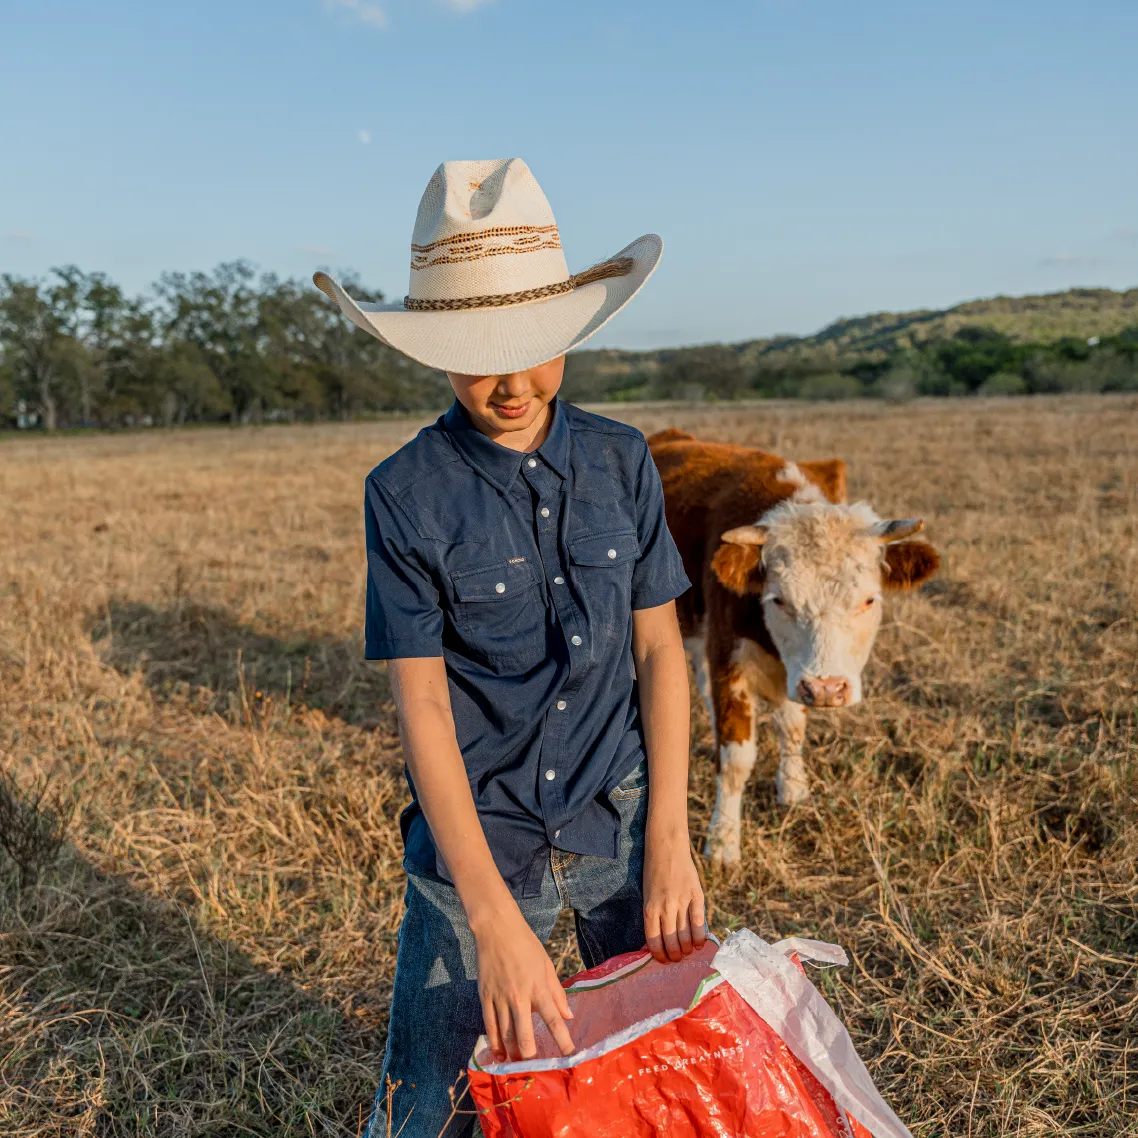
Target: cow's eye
869, 603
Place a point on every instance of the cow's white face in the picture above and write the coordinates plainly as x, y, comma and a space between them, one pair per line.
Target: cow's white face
820, 570
822, 605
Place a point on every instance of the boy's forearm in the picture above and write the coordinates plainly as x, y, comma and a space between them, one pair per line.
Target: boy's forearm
662, 674
435, 761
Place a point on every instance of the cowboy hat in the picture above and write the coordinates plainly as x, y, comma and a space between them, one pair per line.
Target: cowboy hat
490, 290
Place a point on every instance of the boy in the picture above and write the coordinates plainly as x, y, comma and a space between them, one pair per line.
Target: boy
521, 582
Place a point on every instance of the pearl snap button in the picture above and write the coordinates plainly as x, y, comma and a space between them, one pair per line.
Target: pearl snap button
550, 776
575, 641
561, 705
500, 587
532, 463
545, 511
612, 554
557, 833
559, 580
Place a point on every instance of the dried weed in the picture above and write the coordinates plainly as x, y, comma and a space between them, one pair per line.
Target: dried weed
213, 950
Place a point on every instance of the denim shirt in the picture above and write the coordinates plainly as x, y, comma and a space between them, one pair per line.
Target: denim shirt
522, 571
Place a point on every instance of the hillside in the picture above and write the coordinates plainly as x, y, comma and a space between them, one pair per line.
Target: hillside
1044, 318
1078, 312
1042, 339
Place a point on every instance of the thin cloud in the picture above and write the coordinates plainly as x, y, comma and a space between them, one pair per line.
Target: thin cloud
1067, 260
19, 236
364, 136
317, 250
375, 15
365, 11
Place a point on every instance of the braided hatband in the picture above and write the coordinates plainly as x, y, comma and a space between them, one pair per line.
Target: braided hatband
617, 267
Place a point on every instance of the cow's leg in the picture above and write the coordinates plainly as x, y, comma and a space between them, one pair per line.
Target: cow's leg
735, 735
790, 727
697, 648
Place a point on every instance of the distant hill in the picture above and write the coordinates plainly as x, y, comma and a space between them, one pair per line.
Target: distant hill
865, 346
1078, 312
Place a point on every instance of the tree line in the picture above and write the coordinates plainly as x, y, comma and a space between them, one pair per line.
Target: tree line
234, 346
974, 360
229, 345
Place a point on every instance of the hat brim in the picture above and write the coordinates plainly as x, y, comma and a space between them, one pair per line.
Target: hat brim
497, 341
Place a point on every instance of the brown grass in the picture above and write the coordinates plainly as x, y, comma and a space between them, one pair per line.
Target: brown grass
213, 950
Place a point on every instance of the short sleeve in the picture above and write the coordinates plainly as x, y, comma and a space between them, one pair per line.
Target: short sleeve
659, 574
402, 617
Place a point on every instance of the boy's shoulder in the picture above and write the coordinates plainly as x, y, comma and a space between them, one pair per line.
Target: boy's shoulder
424, 454
586, 421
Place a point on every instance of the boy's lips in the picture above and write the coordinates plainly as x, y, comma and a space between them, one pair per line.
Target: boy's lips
511, 412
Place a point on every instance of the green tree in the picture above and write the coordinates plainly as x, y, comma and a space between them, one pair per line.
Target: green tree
41, 358
220, 314
973, 355
696, 373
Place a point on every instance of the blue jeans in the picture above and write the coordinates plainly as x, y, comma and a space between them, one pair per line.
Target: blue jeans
436, 1015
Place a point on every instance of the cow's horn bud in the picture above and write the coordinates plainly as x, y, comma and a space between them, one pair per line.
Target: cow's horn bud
898, 530
745, 535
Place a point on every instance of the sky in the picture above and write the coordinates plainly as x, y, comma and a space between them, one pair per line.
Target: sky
803, 160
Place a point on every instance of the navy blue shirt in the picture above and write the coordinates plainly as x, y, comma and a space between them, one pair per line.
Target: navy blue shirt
522, 572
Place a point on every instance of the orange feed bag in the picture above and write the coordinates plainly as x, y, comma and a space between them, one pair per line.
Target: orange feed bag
734, 1040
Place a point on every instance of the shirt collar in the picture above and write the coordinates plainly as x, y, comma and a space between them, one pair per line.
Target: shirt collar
498, 464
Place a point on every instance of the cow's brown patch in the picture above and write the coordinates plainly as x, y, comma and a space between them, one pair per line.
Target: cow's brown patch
735, 565
734, 716
829, 475
668, 435
759, 667
908, 563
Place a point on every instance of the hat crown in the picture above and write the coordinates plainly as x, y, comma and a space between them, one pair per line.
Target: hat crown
484, 228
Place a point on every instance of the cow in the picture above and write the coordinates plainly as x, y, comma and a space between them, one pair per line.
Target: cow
787, 582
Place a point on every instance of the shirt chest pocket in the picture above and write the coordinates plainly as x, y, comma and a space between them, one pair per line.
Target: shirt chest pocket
499, 615
602, 572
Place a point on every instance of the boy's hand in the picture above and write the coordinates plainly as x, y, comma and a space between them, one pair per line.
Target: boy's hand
674, 923
515, 979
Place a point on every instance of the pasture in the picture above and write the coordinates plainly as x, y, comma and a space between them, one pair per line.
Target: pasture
213, 948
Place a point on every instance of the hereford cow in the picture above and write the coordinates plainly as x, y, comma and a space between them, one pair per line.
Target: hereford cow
785, 600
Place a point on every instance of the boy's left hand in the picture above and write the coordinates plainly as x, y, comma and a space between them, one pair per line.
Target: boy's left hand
674, 923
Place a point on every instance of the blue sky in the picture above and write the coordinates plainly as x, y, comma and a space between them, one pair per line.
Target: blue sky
803, 159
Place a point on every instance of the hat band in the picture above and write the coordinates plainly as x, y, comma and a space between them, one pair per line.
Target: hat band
617, 267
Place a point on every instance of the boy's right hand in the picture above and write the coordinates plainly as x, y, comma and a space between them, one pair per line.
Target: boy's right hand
515, 979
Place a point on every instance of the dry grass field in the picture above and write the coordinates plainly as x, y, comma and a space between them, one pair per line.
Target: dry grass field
212, 950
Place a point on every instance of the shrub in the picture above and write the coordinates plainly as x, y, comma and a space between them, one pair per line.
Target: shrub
1048, 375
830, 386
1003, 383
697, 373
898, 384
33, 826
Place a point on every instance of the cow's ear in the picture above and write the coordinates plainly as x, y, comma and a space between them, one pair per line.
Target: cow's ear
829, 476
738, 560
908, 564
736, 565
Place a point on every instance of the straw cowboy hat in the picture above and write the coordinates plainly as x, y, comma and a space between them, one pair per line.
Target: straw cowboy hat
490, 291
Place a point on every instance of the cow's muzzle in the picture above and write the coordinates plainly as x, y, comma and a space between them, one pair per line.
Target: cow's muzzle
829, 691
